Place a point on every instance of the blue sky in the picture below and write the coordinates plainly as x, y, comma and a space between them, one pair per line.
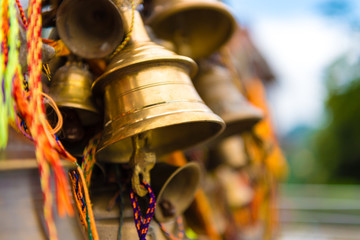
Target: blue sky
299, 41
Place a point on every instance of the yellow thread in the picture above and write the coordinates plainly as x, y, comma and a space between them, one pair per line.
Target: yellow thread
128, 35
57, 111
47, 71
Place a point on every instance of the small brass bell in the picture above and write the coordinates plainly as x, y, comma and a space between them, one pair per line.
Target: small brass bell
232, 151
174, 188
71, 88
229, 151
90, 28
196, 27
147, 90
216, 87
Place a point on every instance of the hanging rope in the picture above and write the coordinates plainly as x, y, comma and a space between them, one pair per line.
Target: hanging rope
142, 223
128, 35
32, 111
25, 96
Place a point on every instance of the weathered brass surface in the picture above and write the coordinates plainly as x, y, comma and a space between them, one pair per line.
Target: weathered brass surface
197, 28
174, 188
90, 28
148, 88
71, 88
216, 87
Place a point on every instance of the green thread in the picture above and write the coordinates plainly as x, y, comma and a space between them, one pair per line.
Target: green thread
8, 72
3, 115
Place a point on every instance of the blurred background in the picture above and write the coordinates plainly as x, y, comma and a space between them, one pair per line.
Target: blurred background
313, 48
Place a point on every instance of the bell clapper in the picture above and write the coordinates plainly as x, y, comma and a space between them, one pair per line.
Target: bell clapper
142, 161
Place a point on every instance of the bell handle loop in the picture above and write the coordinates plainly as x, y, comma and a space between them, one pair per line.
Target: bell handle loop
142, 162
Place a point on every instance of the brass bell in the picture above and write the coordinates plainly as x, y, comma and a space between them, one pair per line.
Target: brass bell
196, 27
174, 188
90, 28
232, 151
229, 151
216, 87
148, 90
71, 88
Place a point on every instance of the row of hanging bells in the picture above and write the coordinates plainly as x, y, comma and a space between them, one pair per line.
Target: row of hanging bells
147, 91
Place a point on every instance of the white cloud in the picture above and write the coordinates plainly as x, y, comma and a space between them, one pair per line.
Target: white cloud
299, 50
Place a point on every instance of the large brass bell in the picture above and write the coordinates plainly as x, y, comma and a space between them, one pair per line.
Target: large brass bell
147, 90
197, 28
90, 28
174, 188
216, 87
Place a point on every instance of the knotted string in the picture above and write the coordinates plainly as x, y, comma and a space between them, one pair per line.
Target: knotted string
142, 223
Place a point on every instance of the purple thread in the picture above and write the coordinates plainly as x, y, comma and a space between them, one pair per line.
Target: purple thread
140, 221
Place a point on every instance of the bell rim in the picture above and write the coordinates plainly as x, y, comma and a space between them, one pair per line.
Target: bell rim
192, 165
78, 106
116, 138
159, 15
99, 84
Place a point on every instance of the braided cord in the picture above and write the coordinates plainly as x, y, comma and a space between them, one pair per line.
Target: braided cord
3, 56
35, 107
89, 160
128, 35
142, 223
9, 62
22, 14
90, 215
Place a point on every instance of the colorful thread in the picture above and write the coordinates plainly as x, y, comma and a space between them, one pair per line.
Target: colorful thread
180, 228
31, 118
9, 63
22, 14
88, 160
80, 202
88, 205
142, 223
